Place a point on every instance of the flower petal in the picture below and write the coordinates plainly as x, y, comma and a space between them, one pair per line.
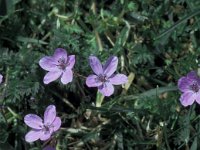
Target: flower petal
95, 65
198, 97
187, 98
92, 81
33, 121
111, 66
60, 53
51, 76
56, 124
1, 78
71, 61
106, 89
183, 84
48, 63
118, 79
49, 115
67, 76
33, 135
49, 148
192, 75
46, 135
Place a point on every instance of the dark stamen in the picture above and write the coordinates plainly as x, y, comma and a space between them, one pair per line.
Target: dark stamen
102, 78
46, 129
62, 63
194, 87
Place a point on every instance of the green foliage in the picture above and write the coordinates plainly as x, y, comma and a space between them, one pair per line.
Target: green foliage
157, 41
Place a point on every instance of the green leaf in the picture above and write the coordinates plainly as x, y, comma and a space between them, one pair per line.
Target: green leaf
151, 93
90, 136
30, 40
138, 17
157, 91
6, 146
194, 144
177, 24
3, 136
120, 142
121, 40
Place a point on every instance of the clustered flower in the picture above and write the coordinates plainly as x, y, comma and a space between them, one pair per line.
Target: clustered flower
60, 65
190, 87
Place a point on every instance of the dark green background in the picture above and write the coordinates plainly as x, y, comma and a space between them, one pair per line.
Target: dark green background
156, 41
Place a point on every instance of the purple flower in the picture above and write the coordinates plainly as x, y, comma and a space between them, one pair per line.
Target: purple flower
42, 129
58, 65
1, 78
190, 86
104, 77
49, 148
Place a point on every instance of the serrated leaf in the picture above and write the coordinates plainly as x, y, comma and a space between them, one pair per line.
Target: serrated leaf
30, 40
3, 136
173, 27
121, 40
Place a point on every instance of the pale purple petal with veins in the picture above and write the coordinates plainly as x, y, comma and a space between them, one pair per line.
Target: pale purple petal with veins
60, 53
198, 97
187, 98
33, 135
106, 89
56, 124
51, 76
95, 65
33, 121
71, 61
67, 76
111, 66
118, 79
48, 63
49, 114
1, 78
46, 135
192, 75
183, 84
92, 81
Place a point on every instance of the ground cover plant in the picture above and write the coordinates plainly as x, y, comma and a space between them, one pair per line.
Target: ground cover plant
106, 74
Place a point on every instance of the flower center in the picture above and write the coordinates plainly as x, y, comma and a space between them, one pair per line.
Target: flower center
102, 78
62, 63
46, 128
194, 87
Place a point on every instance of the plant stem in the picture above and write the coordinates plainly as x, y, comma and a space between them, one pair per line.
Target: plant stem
99, 99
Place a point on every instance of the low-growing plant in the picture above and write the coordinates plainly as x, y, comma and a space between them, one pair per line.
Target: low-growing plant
50, 54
